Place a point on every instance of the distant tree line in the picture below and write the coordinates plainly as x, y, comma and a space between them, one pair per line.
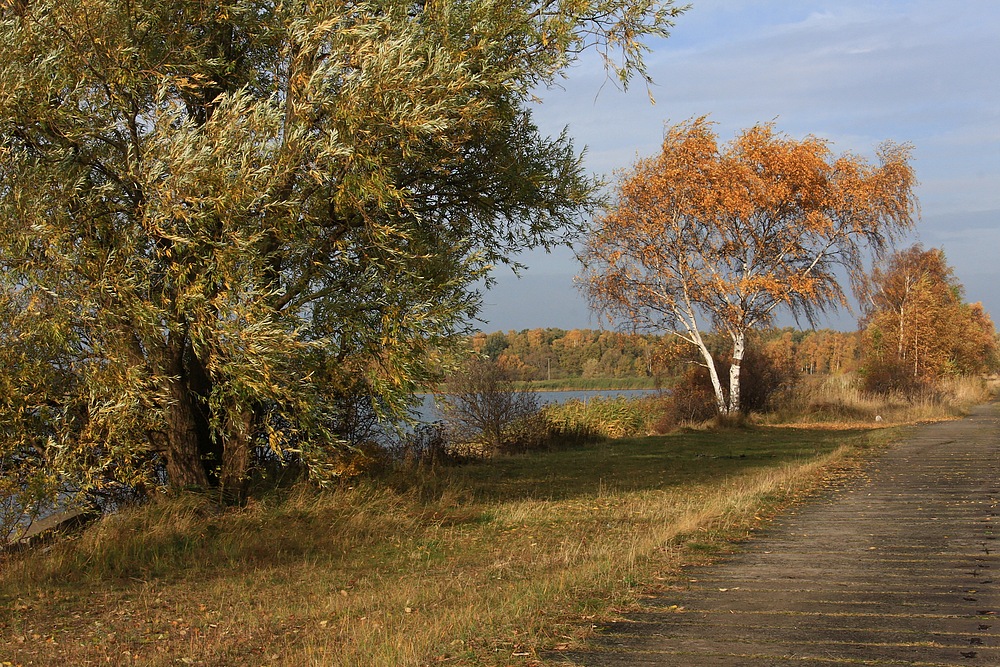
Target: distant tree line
553, 354
916, 329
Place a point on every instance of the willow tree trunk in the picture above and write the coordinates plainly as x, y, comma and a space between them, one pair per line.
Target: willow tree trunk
236, 453
185, 468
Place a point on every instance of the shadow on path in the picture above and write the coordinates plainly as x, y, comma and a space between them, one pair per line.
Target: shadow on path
898, 569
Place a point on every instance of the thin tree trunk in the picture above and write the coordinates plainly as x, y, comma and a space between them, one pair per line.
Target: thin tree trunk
739, 349
713, 373
900, 352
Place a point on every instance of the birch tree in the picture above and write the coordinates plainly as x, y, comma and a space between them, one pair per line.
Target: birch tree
219, 218
917, 327
706, 236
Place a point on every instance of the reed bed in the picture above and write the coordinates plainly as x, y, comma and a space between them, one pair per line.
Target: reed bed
600, 417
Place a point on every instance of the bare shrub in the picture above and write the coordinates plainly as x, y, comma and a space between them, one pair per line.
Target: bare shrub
481, 404
693, 397
427, 444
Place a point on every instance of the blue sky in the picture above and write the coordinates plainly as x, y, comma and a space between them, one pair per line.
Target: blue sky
855, 73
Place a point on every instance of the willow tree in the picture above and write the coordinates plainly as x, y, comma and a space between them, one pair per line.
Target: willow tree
706, 236
217, 219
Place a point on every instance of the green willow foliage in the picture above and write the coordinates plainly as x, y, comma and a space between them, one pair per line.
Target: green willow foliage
219, 221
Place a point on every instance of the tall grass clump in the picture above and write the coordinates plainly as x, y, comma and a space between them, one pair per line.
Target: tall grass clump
841, 399
600, 417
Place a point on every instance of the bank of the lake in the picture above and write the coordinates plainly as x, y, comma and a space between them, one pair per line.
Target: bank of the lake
427, 411
592, 384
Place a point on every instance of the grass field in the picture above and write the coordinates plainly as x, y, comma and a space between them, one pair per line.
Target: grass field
484, 564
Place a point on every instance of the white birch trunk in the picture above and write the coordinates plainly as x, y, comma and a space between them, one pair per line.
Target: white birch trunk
686, 314
713, 373
739, 349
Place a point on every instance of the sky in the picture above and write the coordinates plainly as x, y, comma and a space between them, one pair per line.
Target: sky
853, 72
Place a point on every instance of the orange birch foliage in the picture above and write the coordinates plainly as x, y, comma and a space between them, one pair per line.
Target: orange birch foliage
704, 235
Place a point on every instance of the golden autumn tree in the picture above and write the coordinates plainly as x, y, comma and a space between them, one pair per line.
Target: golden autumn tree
917, 327
223, 225
705, 235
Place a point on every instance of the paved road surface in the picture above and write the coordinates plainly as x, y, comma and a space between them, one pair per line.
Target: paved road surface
898, 569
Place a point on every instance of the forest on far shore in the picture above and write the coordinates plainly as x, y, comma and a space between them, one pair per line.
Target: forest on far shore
556, 354
917, 330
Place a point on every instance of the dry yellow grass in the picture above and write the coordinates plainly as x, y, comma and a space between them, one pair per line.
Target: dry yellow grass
480, 565
837, 400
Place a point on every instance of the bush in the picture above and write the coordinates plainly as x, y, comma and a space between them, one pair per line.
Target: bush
426, 444
890, 377
692, 400
482, 405
762, 381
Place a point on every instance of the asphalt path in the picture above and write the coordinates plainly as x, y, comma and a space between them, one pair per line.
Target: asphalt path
897, 568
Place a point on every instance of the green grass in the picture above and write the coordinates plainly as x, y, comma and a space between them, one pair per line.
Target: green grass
483, 564
644, 464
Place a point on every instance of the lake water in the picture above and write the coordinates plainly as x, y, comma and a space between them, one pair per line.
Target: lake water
428, 412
